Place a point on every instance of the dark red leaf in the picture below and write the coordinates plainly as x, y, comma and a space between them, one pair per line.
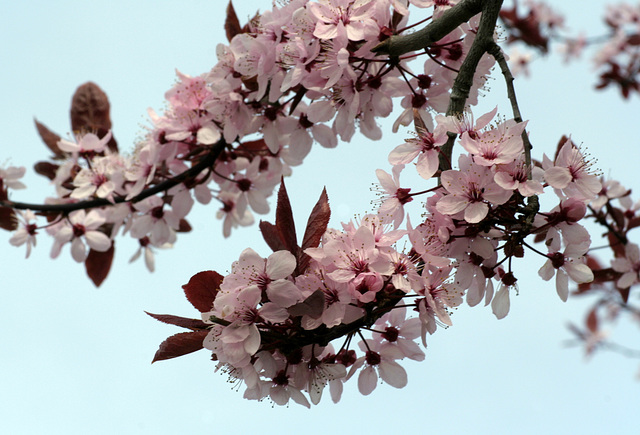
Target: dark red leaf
183, 322
98, 264
46, 169
317, 223
616, 245
284, 220
633, 223
8, 219
634, 39
592, 321
184, 226
50, 139
231, 25
271, 236
311, 306
90, 112
180, 344
202, 288
617, 215
624, 294
316, 227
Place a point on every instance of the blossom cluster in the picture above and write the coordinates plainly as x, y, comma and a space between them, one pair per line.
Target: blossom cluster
300, 73
274, 325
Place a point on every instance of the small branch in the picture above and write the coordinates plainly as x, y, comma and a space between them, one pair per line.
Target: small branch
398, 45
464, 79
207, 161
498, 55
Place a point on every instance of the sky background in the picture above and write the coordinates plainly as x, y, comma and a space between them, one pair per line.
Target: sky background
75, 359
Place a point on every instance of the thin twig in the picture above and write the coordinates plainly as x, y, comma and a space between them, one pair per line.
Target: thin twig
207, 161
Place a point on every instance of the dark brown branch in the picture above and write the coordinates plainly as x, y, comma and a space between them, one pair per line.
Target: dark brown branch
207, 161
439, 28
497, 54
464, 80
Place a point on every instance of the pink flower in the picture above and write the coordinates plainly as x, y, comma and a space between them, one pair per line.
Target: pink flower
26, 233
426, 146
81, 228
514, 176
267, 275
400, 332
394, 197
336, 17
9, 177
472, 190
499, 145
571, 173
87, 143
628, 266
568, 264
378, 362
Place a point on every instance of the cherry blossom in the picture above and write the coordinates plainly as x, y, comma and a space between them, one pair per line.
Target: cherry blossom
81, 228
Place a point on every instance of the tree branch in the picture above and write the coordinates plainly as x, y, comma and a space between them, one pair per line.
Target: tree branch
207, 161
464, 79
398, 45
498, 55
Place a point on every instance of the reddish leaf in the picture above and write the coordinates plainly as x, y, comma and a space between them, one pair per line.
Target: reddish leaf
634, 39
46, 169
284, 220
616, 245
592, 321
633, 223
8, 219
50, 139
98, 264
184, 226
272, 236
183, 322
311, 306
231, 25
624, 294
202, 288
617, 215
316, 227
90, 112
180, 344
318, 222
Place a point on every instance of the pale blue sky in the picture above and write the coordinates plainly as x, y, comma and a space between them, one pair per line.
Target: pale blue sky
76, 359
